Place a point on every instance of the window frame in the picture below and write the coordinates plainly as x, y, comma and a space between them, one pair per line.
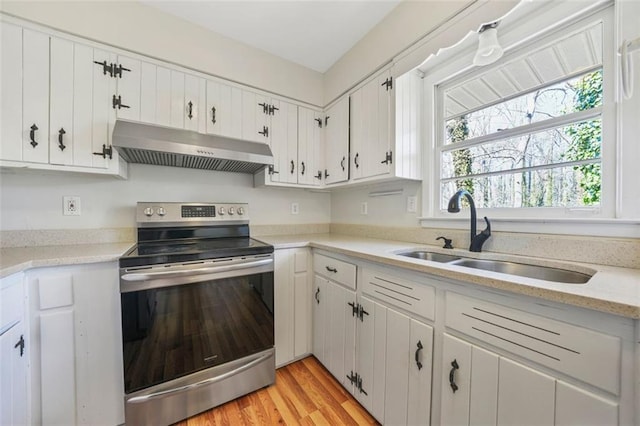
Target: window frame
458, 68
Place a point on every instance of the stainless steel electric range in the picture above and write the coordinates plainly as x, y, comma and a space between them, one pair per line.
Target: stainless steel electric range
197, 311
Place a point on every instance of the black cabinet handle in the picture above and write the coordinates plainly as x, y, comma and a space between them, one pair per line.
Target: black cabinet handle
331, 269
302, 169
20, 345
316, 296
190, 110
342, 163
452, 375
293, 166
417, 355
32, 135
355, 160
213, 115
61, 144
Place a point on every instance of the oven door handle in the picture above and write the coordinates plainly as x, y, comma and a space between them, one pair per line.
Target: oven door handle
196, 271
209, 381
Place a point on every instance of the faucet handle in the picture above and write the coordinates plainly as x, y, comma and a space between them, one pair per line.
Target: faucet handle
478, 240
447, 242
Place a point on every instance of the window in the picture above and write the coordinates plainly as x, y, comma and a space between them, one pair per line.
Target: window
527, 132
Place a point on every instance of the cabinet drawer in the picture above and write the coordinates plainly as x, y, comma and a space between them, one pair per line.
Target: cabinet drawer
336, 270
566, 348
412, 296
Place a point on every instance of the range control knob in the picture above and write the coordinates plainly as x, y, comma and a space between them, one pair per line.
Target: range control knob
148, 212
240, 211
231, 211
161, 211
221, 211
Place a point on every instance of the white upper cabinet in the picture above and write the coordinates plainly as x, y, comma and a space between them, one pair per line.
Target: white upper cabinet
255, 117
61, 115
11, 92
309, 149
284, 141
224, 110
195, 93
370, 127
336, 142
35, 97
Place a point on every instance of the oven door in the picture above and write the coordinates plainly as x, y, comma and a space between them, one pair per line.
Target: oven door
179, 320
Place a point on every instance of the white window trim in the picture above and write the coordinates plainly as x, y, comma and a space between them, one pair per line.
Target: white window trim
576, 221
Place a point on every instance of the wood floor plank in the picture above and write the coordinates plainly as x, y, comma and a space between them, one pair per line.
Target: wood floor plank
305, 393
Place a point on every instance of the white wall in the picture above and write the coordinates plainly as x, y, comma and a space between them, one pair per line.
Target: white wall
407, 23
148, 31
33, 200
390, 210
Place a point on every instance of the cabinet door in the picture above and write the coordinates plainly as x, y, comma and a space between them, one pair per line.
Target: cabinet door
61, 102
340, 333
163, 96
320, 304
194, 98
456, 381
302, 303
11, 92
525, 396
13, 371
255, 118
284, 141
127, 76
420, 354
177, 111
397, 368
83, 114
381, 139
371, 355
35, 95
148, 92
103, 112
224, 110
309, 146
284, 305
336, 143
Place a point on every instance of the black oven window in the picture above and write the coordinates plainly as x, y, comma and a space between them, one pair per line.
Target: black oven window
174, 331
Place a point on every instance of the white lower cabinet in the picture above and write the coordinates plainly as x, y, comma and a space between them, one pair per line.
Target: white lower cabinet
292, 304
14, 350
480, 387
76, 345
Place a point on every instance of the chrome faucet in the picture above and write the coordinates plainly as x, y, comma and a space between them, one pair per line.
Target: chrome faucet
454, 207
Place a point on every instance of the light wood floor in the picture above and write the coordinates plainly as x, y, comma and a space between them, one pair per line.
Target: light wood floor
305, 393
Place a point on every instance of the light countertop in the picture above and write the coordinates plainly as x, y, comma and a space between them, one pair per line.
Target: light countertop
612, 290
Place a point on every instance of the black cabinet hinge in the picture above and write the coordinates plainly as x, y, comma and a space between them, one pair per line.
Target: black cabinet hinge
106, 68
272, 109
272, 171
106, 151
388, 83
353, 377
356, 380
319, 175
116, 102
319, 120
117, 70
326, 120
388, 159
264, 132
354, 308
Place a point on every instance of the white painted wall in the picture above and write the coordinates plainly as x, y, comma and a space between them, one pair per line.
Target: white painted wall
406, 24
149, 31
390, 210
33, 200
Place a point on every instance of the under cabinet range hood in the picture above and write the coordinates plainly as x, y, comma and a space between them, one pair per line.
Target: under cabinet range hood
164, 146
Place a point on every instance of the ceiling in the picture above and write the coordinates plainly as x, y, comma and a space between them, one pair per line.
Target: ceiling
312, 33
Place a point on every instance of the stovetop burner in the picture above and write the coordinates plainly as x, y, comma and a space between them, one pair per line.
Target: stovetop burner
179, 235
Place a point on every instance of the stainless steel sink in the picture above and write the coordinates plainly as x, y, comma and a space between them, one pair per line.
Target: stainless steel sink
529, 271
428, 255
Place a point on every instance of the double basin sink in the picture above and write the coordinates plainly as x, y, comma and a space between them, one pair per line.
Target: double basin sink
504, 267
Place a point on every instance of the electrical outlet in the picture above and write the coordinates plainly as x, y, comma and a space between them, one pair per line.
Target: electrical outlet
364, 209
295, 208
71, 206
412, 204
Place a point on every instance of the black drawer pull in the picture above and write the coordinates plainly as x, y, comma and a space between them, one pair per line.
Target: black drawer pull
303, 168
355, 160
342, 163
61, 144
417, 356
293, 166
32, 135
213, 115
316, 295
330, 269
452, 376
